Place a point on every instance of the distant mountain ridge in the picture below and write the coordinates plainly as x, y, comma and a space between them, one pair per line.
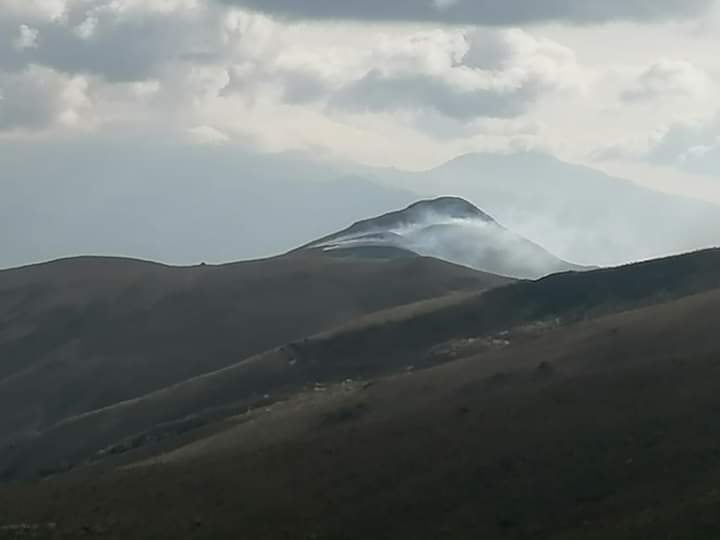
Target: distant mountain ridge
451, 229
186, 204
577, 212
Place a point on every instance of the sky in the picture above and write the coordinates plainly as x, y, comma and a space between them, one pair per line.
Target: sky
625, 86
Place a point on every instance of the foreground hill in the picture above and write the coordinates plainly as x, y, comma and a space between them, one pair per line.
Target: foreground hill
604, 428
450, 229
386, 342
78, 335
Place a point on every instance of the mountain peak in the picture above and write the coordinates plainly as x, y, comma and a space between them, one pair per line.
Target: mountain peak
441, 209
447, 228
450, 207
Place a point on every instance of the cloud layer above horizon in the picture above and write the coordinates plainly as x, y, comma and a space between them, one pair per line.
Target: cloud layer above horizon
407, 83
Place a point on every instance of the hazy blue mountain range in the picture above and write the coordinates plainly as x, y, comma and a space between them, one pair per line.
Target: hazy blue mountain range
183, 204
578, 213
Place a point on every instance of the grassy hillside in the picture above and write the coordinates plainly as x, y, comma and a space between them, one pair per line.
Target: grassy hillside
411, 337
81, 334
600, 429
580, 406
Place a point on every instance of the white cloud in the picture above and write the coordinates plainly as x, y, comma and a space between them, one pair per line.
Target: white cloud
442, 5
464, 75
39, 97
439, 72
692, 146
49, 10
669, 78
27, 37
119, 40
689, 146
207, 135
86, 29
390, 93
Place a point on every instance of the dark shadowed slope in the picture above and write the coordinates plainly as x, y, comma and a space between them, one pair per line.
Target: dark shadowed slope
604, 429
81, 334
447, 228
414, 336
256, 381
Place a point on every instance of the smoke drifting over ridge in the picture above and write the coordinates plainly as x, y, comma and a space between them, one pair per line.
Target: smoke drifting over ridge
453, 230
578, 213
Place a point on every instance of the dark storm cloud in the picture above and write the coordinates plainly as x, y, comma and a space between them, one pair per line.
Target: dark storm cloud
484, 12
376, 92
118, 46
